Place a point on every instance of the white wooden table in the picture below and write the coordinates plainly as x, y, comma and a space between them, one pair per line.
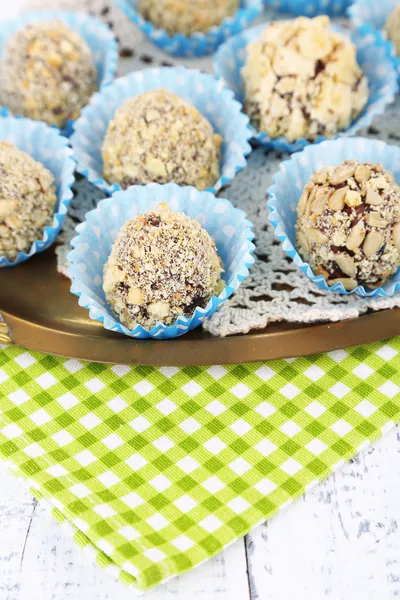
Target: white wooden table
340, 542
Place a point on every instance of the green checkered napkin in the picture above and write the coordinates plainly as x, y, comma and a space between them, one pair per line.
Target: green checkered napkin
156, 470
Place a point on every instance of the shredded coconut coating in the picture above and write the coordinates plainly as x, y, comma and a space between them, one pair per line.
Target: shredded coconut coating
393, 28
27, 200
158, 137
302, 80
348, 225
187, 16
162, 265
47, 73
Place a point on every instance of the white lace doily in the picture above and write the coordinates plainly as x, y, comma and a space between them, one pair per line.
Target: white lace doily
275, 290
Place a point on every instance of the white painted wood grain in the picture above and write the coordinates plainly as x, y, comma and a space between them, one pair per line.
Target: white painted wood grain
340, 542
39, 561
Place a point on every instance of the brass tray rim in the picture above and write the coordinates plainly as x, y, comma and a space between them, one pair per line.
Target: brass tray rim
41, 314
185, 351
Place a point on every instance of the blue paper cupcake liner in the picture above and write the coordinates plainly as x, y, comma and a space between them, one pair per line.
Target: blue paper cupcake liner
202, 90
294, 174
374, 14
374, 55
96, 34
47, 146
227, 225
198, 44
310, 8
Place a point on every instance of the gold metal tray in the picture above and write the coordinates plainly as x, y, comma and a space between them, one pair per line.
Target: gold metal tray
42, 314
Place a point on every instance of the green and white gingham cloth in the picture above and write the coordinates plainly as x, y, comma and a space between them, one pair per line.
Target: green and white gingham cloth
157, 469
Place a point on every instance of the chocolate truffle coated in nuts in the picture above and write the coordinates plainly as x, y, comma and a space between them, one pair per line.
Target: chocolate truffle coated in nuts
162, 265
393, 28
27, 200
158, 137
348, 226
186, 16
47, 73
302, 80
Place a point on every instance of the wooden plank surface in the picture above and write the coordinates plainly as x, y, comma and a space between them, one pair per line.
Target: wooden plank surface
39, 561
341, 541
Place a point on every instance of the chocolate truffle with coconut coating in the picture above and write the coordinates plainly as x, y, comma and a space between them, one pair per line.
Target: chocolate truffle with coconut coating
158, 137
27, 200
348, 226
302, 80
393, 28
47, 73
162, 265
187, 16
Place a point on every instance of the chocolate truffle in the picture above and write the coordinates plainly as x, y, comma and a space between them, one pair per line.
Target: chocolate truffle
302, 80
158, 137
27, 200
186, 16
47, 73
348, 226
162, 265
393, 28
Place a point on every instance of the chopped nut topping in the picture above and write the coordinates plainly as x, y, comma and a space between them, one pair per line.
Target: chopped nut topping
393, 27
187, 16
362, 173
353, 198
177, 144
374, 219
346, 264
373, 198
135, 296
373, 242
357, 234
47, 73
379, 182
27, 200
348, 284
162, 265
359, 225
341, 174
301, 79
315, 236
336, 201
396, 235
319, 204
